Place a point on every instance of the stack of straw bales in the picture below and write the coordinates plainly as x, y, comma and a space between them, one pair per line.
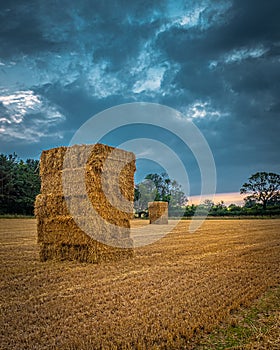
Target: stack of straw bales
86, 203
158, 213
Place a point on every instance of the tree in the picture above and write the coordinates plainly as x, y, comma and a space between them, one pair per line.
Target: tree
144, 193
219, 209
205, 207
208, 204
190, 210
167, 190
19, 184
263, 188
7, 181
159, 187
162, 184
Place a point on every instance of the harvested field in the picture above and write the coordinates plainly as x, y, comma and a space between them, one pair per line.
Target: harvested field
165, 297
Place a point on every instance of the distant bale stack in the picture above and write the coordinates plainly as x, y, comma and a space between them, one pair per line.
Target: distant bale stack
86, 203
158, 213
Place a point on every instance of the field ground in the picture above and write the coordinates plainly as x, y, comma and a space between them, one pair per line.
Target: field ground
186, 291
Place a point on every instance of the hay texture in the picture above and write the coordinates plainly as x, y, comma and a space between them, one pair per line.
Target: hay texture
86, 203
158, 213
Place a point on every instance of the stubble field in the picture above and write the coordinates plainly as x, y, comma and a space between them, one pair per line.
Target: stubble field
166, 297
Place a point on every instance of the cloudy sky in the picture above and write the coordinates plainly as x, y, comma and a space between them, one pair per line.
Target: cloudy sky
217, 62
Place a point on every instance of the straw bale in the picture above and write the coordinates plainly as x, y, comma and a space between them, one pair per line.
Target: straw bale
52, 160
78, 155
50, 205
52, 180
65, 229
73, 220
92, 253
55, 251
53, 205
158, 213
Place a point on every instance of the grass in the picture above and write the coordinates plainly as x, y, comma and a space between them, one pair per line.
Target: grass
256, 327
214, 289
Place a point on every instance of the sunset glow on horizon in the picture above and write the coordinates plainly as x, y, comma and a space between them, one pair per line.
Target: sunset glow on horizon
227, 198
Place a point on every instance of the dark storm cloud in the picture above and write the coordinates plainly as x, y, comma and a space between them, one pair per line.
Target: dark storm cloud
103, 28
215, 61
246, 23
244, 79
252, 21
76, 103
195, 49
20, 30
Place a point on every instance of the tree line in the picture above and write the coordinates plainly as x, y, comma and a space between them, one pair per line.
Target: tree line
20, 184
262, 189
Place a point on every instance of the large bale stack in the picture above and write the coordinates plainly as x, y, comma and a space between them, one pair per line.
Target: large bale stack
86, 203
158, 213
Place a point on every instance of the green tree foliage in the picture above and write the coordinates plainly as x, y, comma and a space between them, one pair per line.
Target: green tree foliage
19, 184
234, 210
204, 208
263, 188
190, 210
145, 192
159, 187
167, 190
219, 209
